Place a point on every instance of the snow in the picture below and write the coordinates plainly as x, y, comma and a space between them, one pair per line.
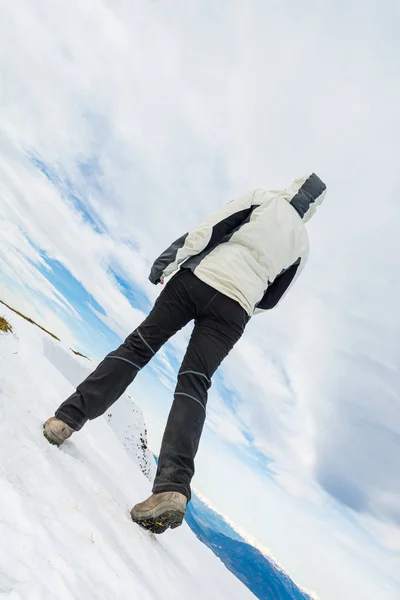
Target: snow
65, 529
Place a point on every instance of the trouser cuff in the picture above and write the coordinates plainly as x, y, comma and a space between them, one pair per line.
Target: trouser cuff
70, 420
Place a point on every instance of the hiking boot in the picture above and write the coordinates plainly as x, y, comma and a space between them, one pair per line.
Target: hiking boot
56, 431
160, 511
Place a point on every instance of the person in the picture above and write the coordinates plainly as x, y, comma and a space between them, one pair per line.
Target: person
239, 262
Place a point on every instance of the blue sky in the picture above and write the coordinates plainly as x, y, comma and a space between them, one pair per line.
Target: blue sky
122, 127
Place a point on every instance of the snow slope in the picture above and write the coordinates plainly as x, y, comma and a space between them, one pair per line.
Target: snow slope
65, 530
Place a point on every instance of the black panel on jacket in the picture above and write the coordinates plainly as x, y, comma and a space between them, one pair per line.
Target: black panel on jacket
276, 289
311, 189
165, 259
222, 232
228, 225
225, 229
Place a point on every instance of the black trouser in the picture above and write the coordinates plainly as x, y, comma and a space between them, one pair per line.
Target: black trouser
219, 323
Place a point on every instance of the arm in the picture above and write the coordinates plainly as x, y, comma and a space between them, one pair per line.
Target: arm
207, 235
281, 285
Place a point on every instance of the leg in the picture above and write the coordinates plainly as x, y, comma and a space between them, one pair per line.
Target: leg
215, 333
172, 311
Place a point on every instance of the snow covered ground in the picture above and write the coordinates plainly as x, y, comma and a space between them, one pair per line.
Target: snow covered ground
65, 530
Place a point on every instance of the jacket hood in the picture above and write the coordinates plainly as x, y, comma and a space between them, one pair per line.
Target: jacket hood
305, 195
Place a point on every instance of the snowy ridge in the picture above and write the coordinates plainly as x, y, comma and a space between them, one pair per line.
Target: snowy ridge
65, 531
249, 539
243, 534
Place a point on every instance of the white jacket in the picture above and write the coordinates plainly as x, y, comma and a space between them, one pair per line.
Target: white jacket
253, 249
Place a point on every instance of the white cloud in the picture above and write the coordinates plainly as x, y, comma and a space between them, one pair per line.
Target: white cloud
156, 113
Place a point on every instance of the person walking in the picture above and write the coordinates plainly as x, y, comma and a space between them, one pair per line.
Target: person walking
238, 262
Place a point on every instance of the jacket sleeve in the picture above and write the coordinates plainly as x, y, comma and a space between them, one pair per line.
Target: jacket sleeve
207, 235
281, 285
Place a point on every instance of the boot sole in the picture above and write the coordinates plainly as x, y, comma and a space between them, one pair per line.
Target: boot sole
160, 524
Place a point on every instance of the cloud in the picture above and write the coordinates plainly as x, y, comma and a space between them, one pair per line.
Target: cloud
363, 445
124, 124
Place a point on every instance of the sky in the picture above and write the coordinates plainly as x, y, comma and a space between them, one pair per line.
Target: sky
125, 123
